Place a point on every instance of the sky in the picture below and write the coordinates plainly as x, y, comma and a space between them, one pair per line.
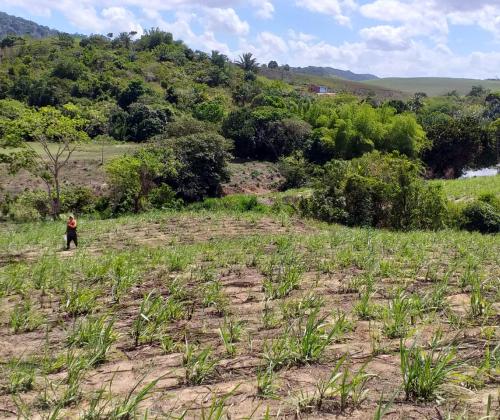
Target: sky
389, 38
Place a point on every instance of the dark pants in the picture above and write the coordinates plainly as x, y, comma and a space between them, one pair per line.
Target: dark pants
71, 237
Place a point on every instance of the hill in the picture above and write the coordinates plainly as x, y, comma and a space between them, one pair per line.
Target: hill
336, 85
13, 25
332, 72
433, 86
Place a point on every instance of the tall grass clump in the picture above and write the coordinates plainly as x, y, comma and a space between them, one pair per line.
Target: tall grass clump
424, 371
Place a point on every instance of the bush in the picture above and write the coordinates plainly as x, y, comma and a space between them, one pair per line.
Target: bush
164, 197
132, 179
481, 216
377, 190
75, 199
144, 121
68, 69
212, 111
296, 171
236, 202
265, 132
202, 165
29, 205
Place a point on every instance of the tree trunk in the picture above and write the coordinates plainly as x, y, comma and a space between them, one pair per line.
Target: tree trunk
56, 208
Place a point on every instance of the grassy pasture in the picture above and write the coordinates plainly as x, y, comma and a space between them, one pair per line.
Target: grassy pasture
248, 314
467, 189
433, 86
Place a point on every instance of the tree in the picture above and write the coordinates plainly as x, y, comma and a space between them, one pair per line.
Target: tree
144, 121
154, 37
131, 93
218, 59
56, 136
202, 164
477, 91
416, 103
132, 178
456, 144
273, 64
247, 62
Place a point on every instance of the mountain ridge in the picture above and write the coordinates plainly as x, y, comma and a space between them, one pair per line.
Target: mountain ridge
14, 25
333, 72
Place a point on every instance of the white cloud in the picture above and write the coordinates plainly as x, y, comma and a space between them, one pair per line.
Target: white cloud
121, 18
384, 37
335, 8
405, 37
432, 17
300, 36
217, 19
265, 9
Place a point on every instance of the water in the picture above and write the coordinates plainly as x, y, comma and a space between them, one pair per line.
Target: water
471, 173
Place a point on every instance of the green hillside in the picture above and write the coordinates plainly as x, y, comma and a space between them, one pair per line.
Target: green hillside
335, 84
13, 25
433, 86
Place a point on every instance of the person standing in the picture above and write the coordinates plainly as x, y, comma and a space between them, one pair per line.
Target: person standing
71, 232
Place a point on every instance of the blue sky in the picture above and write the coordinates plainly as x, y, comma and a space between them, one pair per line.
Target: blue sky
458, 38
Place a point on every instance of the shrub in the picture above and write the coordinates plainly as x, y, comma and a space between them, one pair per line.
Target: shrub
377, 190
132, 179
265, 132
68, 69
296, 171
202, 165
144, 121
236, 202
77, 199
481, 216
29, 205
212, 111
164, 197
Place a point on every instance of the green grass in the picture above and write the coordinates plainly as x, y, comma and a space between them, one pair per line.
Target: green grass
336, 85
89, 151
468, 189
433, 86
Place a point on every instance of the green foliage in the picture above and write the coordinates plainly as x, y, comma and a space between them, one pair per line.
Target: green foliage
134, 90
131, 179
199, 364
235, 202
457, 143
212, 111
348, 130
482, 216
377, 190
265, 132
424, 371
202, 165
68, 69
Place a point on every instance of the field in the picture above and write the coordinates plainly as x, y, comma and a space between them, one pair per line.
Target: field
433, 86
86, 169
471, 188
335, 84
247, 314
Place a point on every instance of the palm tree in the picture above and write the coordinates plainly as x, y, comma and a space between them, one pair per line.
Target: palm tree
247, 62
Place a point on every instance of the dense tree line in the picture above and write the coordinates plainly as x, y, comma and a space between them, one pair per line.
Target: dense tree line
201, 109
